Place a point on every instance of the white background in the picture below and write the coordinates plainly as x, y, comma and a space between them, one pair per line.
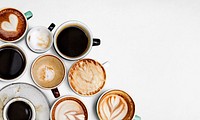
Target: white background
153, 47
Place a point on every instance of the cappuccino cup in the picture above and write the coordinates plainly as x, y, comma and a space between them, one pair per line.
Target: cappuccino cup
19, 109
68, 108
87, 77
73, 40
13, 24
48, 72
40, 39
116, 105
13, 62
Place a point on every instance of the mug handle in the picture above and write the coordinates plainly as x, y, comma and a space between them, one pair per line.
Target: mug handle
28, 15
55, 92
137, 117
96, 42
51, 27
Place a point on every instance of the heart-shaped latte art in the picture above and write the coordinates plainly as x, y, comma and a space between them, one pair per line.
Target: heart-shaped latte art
11, 25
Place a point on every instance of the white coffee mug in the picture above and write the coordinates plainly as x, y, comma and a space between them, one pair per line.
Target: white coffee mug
73, 23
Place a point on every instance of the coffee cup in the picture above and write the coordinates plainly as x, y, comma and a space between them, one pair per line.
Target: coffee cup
68, 108
13, 24
40, 39
19, 109
48, 72
116, 105
73, 40
86, 77
13, 62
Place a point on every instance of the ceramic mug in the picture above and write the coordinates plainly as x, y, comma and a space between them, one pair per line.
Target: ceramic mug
13, 62
73, 40
14, 24
19, 108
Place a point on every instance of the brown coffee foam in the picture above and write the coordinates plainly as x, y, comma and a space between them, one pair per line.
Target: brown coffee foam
85, 87
55, 64
68, 98
21, 27
125, 96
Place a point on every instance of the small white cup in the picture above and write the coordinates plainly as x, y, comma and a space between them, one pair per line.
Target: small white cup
42, 36
73, 23
15, 100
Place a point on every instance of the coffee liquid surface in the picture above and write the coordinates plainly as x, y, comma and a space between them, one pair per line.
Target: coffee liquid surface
19, 110
12, 63
12, 24
72, 42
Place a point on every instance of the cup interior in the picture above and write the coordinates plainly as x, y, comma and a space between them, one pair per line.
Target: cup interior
13, 62
116, 100
25, 24
48, 71
68, 105
19, 108
73, 24
39, 39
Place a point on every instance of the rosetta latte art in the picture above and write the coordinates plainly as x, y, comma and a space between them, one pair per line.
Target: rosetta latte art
113, 108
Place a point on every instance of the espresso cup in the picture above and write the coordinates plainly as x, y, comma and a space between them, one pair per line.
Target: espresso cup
40, 39
68, 108
19, 109
48, 72
13, 24
73, 40
116, 105
13, 62
87, 77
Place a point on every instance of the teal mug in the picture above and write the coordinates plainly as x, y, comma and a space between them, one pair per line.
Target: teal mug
13, 24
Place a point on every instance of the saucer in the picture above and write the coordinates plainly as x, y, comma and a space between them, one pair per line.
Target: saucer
29, 92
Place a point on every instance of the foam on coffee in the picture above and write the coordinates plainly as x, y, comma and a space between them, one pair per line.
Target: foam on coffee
87, 77
116, 105
39, 39
12, 24
69, 108
48, 71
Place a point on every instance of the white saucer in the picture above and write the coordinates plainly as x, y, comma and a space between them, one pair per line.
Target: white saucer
29, 92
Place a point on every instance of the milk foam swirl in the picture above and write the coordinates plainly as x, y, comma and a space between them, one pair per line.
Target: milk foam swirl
113, 107
69, 110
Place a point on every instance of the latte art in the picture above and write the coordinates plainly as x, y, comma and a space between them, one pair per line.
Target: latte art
11, 25
114, 108
87, 77
69, 110
115, 105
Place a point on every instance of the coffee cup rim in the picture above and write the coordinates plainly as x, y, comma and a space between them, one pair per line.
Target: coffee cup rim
22, 51
45, 88
110, 90
28, 43
23, 100
67, 96
71, 85
56, 35
27, 26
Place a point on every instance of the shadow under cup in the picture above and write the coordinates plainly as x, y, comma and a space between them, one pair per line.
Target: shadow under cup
48, 72
73, 40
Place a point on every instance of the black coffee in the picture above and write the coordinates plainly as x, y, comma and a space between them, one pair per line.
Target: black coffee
19, 110
72, 42
12, 62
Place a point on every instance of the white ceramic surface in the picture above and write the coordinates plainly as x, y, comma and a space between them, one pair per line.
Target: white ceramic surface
29, 92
